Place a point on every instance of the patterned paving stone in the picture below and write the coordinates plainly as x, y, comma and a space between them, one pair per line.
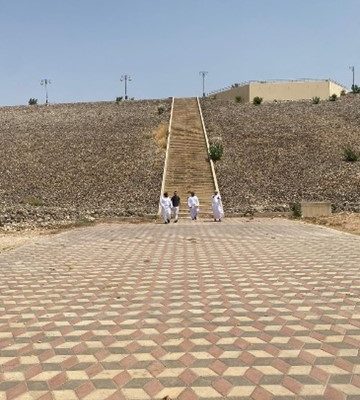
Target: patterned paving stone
246, 309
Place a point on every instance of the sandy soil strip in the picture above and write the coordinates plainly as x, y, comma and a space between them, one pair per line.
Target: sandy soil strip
346, 222
9, 241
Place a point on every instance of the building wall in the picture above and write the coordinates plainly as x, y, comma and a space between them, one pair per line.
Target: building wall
270, 91
287, 90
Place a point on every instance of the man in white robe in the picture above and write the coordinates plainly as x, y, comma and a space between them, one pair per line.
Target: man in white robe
166, 206
217, 207
193, 204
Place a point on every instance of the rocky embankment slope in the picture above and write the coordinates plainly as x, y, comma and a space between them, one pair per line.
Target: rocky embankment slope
281, 153
80, 161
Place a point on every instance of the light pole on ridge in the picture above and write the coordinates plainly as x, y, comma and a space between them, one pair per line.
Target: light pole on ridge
352, 69
45, 82
203, 75
126, 78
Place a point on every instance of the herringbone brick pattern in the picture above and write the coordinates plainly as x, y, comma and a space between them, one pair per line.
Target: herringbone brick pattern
262, 309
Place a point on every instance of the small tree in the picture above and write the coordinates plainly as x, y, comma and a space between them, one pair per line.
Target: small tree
333, 97
33, 101
161, 109
216, 151
238, 99
316, 100
296, 210
257, 100
118, 99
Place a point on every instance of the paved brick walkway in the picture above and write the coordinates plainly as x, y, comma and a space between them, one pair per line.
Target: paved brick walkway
262, 309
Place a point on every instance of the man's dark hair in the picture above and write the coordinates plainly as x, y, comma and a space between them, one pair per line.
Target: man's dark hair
166, 194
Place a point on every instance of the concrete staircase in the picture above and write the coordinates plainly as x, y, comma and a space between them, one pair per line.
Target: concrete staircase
188, 168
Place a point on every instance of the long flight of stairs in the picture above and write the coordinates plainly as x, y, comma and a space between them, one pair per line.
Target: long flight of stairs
188, 168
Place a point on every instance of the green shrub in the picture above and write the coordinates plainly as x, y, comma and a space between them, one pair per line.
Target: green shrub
33, 101
238, 99
118, 99
161, 109
333, 97
350, 155
33, 201
355, 89
296, 210
316, 100
343, 93
257, 100
216, 151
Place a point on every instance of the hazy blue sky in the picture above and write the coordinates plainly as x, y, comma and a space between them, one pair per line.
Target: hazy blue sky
84, 46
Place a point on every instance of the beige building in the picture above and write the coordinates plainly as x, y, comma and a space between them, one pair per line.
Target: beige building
280, 90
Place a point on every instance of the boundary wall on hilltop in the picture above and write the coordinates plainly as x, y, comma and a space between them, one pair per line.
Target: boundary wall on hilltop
280, 90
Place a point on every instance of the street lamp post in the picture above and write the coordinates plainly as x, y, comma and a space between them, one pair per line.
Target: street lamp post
352, 69
45, 82
203, 74
126, 78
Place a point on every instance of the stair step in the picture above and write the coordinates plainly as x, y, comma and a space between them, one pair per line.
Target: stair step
188, 165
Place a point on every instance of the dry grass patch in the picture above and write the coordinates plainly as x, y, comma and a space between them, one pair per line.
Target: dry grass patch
160, 135
346, 222
33, 201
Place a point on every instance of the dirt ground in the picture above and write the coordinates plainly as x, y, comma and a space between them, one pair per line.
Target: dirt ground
11, 240
346, 222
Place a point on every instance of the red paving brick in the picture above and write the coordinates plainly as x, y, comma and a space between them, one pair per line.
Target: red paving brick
260, 309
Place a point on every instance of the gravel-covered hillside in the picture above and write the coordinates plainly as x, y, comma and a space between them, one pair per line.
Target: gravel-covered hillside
73, 160
278, 153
